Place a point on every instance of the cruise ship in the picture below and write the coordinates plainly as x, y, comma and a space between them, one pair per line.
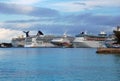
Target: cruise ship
40, 40
18, 41
84, 40
64, 41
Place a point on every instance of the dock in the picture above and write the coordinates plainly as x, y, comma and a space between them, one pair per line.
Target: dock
108, 50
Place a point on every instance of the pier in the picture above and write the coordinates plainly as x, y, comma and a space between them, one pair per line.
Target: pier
108, 50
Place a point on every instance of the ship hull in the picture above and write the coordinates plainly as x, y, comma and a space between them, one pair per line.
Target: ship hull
82, 43
62, 42
87, 44
44, 45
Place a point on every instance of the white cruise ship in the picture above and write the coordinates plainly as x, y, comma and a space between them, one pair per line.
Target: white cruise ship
62, 41
40, 40
84, 40
18, 41
37, 41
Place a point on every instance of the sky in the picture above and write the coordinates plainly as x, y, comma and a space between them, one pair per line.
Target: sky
57, 16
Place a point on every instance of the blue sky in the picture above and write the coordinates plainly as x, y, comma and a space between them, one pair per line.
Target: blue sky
57, 16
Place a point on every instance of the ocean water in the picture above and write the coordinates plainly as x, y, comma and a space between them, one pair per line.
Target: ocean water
58, 64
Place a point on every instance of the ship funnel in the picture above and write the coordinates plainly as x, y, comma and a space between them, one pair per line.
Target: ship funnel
83, 33
27, 33
39, 33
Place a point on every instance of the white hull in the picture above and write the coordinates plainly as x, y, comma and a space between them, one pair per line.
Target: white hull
39, 45
18, 42
82, 43
33, 42
88, 44
64, 42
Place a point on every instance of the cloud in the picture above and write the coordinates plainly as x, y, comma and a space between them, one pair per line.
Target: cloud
103, 3
24, 2
27, 10
68, 6
15, 9
93, 19
72, 23
50, 21
6, 34
81, 5
87, 18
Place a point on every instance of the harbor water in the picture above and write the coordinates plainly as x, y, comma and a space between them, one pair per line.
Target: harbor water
58, 64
